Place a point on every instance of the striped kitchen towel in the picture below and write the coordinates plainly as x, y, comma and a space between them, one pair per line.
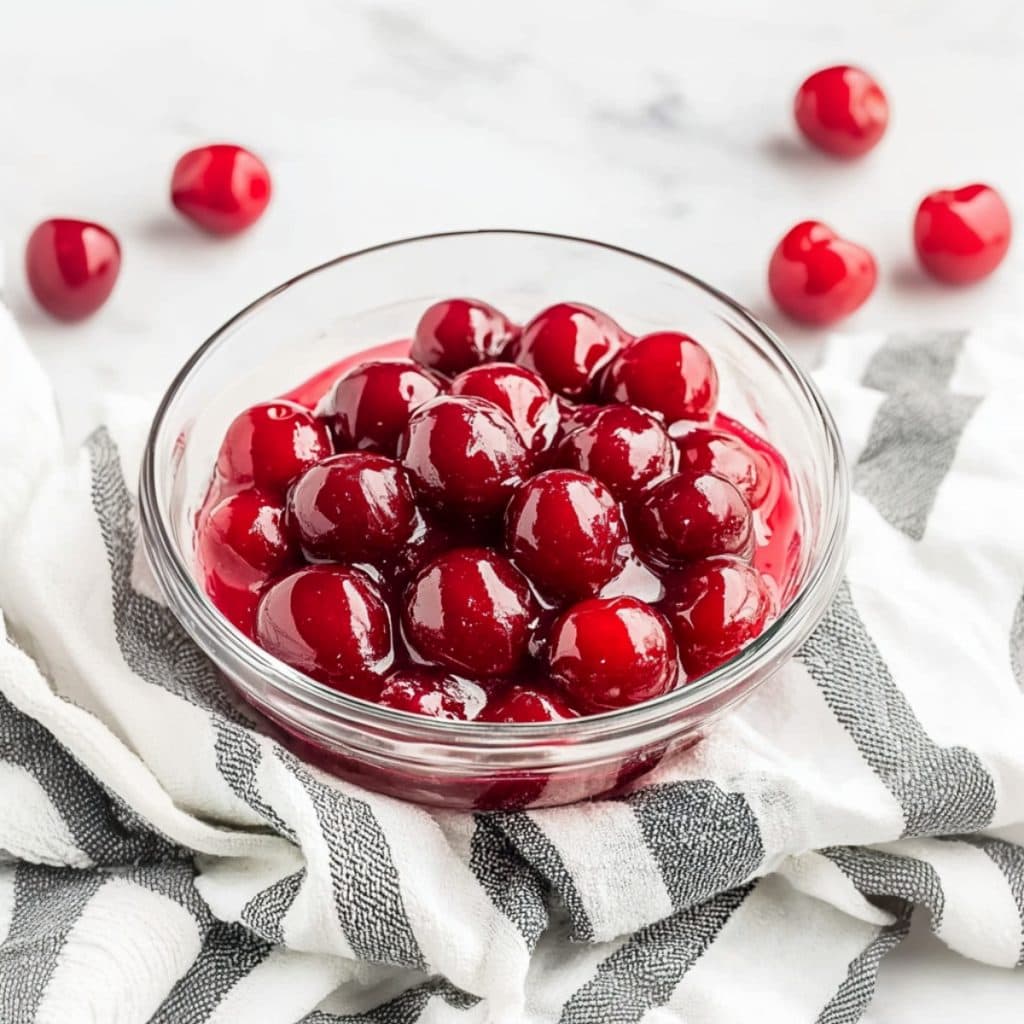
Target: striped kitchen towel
163, 860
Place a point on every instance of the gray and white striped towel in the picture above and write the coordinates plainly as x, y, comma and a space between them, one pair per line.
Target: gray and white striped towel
164, 861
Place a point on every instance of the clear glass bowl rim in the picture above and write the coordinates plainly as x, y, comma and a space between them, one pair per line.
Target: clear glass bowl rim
192, 606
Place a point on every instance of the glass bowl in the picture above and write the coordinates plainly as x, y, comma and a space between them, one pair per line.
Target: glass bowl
377, 295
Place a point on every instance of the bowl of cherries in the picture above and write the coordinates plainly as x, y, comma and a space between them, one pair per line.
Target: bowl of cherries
494, 519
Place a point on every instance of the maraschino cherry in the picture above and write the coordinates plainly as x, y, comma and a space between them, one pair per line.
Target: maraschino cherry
330, 622
456, 334
842, 110
243, 543
564, 529
962, 234
567, 344
433, 694
470, 610
222, 188
668, 373
817, 277
72, 266
464, 455
608, 653
692, 515
715, 607
354, 507
625, 448
528, 704
270, 444
370, 405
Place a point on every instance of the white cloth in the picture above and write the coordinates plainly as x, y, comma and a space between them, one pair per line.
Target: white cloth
165, 861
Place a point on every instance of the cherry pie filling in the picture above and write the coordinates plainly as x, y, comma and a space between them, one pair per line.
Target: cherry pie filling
499, 523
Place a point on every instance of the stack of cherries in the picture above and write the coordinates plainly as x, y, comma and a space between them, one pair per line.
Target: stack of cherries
509, 525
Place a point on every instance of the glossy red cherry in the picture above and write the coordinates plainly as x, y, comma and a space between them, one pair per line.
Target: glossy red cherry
817, 277
668, 373
709, 450
470, 610
434, 694
370, 405
354, 507
72, 266
623, 447
240, 545
612, 652
962, 234
455, 334
564, 530
528, 704
521, 394
842, 110
244, 539
691, 516
715, 608
329, 622
222, 188
567, 344
464, 455
270, 444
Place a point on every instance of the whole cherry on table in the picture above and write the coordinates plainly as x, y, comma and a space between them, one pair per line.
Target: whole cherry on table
962, 234
818, 277
222, 188
842, 110
72, 266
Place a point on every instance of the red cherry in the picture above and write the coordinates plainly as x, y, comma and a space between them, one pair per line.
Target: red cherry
625, 448
456, 334
528, 704
564, 530
434, 694
612, 652
521, 394
715, 608
567, 344
270, 444
962, 234
668, 373
817, 277
690, 516
842, 110
470, 610
72, 266
370, 405
221, 188
464, 455
240, 545
355, 507
329, 622
708, 450
244, 538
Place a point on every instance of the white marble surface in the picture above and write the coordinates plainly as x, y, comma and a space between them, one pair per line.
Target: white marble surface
663, 126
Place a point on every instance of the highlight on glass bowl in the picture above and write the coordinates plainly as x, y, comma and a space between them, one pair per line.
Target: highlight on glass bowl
494, 519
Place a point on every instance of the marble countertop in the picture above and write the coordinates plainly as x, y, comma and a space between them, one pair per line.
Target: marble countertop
662, 126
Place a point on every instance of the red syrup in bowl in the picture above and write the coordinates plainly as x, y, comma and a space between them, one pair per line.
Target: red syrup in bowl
494, 546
